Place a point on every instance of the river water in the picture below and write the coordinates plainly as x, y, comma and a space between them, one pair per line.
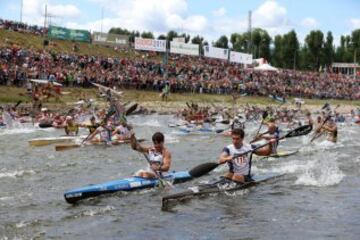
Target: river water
317, 198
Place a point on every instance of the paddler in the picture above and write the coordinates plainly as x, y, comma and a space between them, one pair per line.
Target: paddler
123, 131
71, 128
309, 119
92, 126
158, 155
239, 168
272, 134
331, 130
103, 131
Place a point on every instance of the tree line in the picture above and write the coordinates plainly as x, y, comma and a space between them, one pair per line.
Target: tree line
283, 51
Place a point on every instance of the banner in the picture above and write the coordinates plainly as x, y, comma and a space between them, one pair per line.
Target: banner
110, 39
213, 52
150, 44
239, 57
183, 48
69, 34
179, 39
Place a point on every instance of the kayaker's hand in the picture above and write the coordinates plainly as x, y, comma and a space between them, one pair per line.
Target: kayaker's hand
155, 167
272, 140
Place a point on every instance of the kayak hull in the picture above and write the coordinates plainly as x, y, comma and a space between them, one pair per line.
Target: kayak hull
222, 185
38, 142
126, 184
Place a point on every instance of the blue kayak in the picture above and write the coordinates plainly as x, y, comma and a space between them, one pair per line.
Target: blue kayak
126, 184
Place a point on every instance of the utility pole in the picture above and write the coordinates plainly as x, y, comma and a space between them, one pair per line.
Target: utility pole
102, 18
21, 10
250, 33
45, 19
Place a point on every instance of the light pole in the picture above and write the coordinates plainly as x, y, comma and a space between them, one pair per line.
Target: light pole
21, 10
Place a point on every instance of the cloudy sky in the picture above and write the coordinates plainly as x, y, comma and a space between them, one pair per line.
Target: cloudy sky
209, 18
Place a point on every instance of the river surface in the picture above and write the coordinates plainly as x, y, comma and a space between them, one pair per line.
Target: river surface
317, 198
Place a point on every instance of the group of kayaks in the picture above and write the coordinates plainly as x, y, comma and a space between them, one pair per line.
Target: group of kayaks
222, 185
136, 183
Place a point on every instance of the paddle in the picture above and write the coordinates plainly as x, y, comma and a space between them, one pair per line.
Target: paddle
162, 182
205, 168
320, 133
264, 115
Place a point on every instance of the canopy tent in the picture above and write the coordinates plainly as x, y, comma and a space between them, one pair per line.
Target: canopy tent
265, 67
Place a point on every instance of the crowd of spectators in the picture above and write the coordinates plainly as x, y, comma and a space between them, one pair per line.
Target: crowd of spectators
183, 73
22, 27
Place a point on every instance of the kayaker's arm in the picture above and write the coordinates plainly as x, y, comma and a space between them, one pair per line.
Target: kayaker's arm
136, 146
224, 157
166, 163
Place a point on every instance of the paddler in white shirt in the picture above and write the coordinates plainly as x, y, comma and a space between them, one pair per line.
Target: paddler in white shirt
103, 132
158, 155
123, 131
239, 168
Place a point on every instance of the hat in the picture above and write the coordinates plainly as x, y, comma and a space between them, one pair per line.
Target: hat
44, 109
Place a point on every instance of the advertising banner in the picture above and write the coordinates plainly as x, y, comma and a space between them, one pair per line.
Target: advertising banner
150, 44
183, 48
110, 39
213, 52
239, 57
69, 34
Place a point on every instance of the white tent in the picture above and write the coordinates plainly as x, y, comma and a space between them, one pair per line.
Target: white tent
265, 67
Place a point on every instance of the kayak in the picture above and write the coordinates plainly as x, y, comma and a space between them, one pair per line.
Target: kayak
66, 146
38, 142
219, 186
126, 184
284, 154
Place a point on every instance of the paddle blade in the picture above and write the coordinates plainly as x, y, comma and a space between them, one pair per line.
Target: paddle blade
265, 114
225, 121
219, 130
131, 109
300, 131
203, 169
63, 147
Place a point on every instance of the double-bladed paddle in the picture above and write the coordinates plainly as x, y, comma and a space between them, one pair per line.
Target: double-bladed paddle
318, 129
205, 168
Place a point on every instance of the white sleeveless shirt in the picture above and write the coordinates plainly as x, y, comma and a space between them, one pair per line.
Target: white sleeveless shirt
241, 164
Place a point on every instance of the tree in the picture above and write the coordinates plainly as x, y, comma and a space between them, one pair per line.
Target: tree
222, 42
197, 40
147, 35
328, 50
171, 35
186, 37
355, 43
239, 42
315, 41
277, 56
290, 55
162, 37
119, 31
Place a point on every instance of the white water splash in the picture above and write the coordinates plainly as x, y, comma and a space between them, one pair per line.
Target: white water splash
148, 122
98, 211
16, 174
322, 172
169, 138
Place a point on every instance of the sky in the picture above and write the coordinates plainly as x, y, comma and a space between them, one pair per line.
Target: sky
208, 18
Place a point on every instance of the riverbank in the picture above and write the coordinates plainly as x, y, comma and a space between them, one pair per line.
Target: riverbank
152, 101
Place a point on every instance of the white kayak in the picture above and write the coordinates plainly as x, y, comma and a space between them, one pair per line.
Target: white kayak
38, 142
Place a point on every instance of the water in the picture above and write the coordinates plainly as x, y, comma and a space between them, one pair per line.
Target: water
318, 198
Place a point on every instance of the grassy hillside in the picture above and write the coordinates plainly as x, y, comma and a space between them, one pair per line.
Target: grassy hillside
32, 41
